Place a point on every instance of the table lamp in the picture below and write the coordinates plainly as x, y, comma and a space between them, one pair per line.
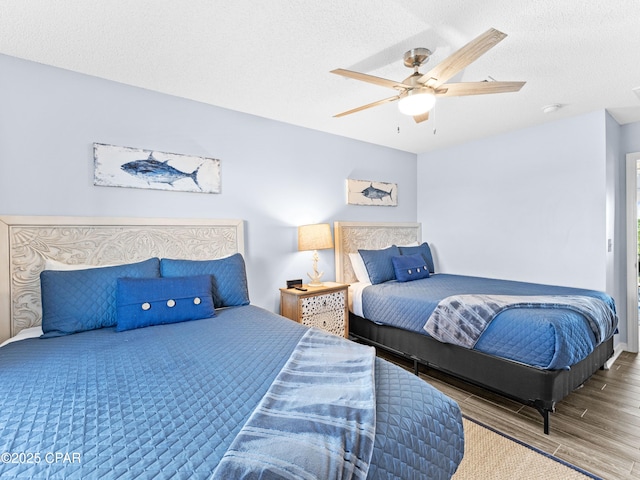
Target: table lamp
314, 237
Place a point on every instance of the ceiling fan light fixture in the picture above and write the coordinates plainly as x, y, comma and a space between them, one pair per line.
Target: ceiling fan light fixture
417, 101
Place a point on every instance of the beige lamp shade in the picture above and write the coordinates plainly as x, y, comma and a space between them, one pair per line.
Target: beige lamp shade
314, 237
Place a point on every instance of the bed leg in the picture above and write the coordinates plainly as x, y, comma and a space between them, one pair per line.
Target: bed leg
416, 367
545, 415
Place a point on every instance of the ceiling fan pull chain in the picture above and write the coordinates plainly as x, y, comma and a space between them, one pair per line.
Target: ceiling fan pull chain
433, 116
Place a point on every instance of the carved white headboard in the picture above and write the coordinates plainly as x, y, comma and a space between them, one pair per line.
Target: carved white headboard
26, 243
350, 236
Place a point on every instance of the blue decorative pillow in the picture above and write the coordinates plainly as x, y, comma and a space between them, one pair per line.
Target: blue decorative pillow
378, 263
78, 300
142, 302
424, 250
410, 267
228, 277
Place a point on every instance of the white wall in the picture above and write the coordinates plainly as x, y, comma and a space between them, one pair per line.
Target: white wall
275, 176
616, 222
528, 205
630, 137
629, 143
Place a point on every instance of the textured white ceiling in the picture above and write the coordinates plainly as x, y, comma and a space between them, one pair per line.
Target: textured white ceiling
273, 58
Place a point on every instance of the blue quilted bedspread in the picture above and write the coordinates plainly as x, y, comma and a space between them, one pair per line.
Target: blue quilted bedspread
546, 338
167, 401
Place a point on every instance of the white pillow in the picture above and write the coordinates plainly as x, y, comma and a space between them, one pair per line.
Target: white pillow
50, 264
359, 267
412, 244
32, 332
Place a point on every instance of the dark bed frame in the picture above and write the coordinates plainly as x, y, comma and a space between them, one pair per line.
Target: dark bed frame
541, 389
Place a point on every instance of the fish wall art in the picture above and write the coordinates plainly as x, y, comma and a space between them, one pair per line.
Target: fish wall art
367, 192
138, 168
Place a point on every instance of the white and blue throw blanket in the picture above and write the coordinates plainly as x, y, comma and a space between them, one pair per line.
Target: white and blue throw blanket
461, 319
316, 421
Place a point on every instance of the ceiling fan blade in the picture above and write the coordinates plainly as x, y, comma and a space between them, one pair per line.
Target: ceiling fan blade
383, 82
477, 88
369, 105
421, 118
461, 58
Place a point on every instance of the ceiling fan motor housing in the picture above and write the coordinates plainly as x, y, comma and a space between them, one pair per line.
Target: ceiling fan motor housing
416, 57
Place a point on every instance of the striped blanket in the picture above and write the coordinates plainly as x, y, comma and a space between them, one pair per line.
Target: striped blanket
461, 319
317, 420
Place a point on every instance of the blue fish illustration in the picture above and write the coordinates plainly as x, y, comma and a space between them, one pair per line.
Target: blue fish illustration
375, 193
155, 171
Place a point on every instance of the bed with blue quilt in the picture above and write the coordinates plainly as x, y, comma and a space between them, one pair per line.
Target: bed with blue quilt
531, 342
161, 368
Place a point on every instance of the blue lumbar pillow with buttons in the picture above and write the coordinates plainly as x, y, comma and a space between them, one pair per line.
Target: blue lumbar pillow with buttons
142, 302
423, 250
410, 267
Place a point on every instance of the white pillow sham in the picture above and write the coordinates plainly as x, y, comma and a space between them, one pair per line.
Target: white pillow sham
32, 332
412, 244
50, 264
359, 267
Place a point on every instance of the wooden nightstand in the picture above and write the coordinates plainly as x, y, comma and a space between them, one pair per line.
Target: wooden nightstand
322, 307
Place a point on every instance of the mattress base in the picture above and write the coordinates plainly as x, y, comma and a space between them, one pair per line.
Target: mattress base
541, 389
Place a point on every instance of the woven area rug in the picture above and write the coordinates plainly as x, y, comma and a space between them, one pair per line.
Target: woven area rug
489, 454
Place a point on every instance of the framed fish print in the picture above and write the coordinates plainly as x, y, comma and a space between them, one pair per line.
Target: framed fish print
367, 192
138, 168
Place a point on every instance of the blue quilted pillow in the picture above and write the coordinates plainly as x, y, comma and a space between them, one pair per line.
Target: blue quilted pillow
142, 302
410, 267
378, 263
228, 277
423, 250
78, 300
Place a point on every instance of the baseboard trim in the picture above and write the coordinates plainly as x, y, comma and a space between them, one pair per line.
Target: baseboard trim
617, 350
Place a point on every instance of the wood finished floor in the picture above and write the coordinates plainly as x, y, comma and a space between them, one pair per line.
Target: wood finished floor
597, 427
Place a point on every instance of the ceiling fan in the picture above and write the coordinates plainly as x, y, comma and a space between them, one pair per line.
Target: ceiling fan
418, 92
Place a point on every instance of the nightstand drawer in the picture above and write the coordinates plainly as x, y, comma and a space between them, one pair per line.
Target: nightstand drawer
322, 303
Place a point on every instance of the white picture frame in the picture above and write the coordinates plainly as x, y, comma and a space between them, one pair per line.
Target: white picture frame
116, 166
372, 193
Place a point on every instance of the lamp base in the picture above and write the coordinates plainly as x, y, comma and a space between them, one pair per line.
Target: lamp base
316, 276
315, 279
